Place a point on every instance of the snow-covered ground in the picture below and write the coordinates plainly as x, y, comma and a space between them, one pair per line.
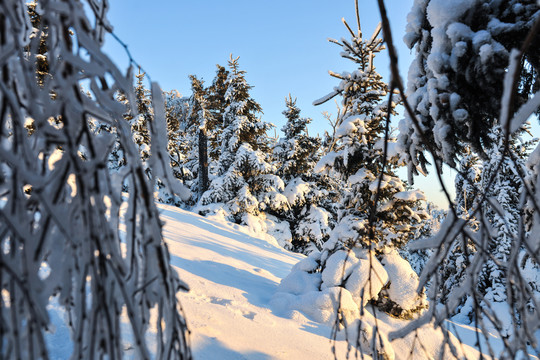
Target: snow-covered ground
233, 275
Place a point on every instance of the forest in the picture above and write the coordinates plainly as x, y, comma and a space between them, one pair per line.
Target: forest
92, 157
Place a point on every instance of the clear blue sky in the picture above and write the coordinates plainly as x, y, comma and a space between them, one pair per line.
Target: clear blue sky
282, 46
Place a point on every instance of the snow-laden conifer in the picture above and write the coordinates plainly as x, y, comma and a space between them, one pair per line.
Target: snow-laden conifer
471, 92
455, 82
360, 263
296, 155
245, 183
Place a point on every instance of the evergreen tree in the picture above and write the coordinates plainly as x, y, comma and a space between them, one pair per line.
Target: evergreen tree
360, 261
468, 194
177, 109
358, 155
240, 122
502, 184
456, 91
140, 123
200, 119
217, 105
296, 155
456, 80
137, 123
245, 182
358, 159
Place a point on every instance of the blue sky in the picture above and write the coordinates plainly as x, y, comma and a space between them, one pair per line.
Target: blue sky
282, 46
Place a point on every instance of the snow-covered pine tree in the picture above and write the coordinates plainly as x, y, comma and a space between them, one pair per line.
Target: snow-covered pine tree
503, 184
464, 83
468, 187
360, 263
456, 81
176, 113
364, 154
245, 183
296, 152
216, 98
296, 155
67, 242
140, 123
199, 125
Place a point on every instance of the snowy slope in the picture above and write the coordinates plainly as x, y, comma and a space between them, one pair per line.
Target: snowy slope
232, 277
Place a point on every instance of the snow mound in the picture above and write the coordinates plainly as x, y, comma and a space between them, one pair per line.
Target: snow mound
353, 283
402, 292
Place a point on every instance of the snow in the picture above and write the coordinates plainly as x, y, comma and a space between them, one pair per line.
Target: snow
442, 12
412, 195
367, 279
296, 191
360, 175
232, 276
403, 292
251, 299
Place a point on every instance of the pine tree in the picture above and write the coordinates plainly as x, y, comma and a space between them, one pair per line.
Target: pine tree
358, 159
468, 194
137, 122
296, 155
456, 80
240, 122
217, 105
140, 123
360, 261
297, 151
455, 88
200, 121
245, 182
177, 109
358, 154
502, 184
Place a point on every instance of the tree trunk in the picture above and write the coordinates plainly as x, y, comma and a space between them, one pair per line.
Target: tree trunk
203, 162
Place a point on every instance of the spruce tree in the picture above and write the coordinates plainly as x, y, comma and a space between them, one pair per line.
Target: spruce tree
377, 214
177, 109
245, 183
296, 155
358, 156
468, 194
140, 123
217, 105
503, 185
200, 120
456, 81
455, 89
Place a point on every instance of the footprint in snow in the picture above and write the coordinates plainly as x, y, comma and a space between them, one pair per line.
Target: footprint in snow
220, 301
249, 315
